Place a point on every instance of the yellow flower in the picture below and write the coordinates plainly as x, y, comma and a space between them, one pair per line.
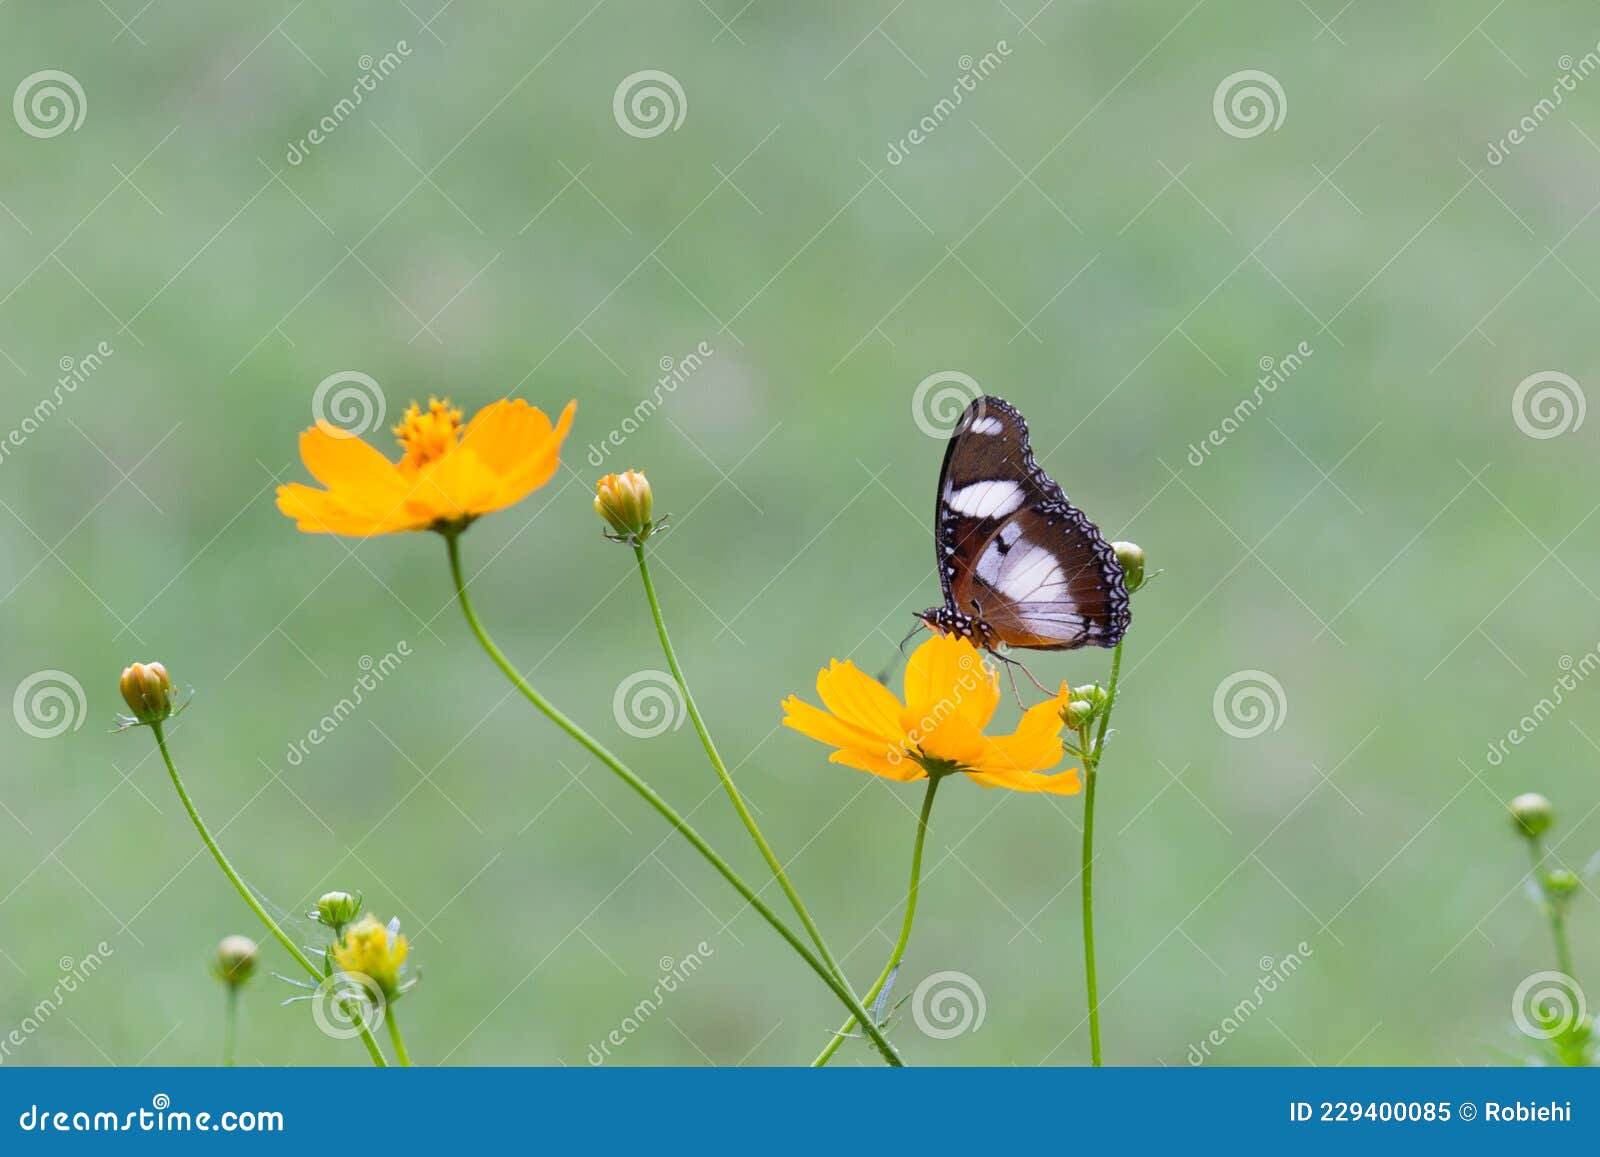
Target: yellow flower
449, 474
371, 949
951, 695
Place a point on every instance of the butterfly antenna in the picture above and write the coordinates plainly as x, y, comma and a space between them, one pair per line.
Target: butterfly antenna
899, 657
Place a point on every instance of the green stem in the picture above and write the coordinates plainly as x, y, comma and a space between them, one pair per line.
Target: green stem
394, 1035
249, 897
905, 923
648, 794
1091, 766
721, 768
1555, 906
230, 1021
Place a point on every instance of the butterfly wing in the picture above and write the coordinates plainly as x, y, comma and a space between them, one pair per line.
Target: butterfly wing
1012, 550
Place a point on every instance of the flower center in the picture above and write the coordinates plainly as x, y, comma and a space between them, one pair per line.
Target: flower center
427, 436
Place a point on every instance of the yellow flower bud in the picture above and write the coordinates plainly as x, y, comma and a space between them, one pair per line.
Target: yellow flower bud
1131, 556
1532, 814
236, 960
147, 691
625, 502
375, 951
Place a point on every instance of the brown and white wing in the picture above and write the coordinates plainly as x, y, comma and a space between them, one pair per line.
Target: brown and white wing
1013, 550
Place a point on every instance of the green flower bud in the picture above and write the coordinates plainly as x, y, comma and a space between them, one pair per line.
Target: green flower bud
336, 909
1560, 882
1131, 556
236, 960
1078, 712
1532, 814
1093, 693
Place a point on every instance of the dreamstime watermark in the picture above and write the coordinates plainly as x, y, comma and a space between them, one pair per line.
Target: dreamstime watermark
1248, 103
373, 672
48, 103
73, 974
1547, 1005
74, 372
348, 404
972, 72
940, 399
648, 103
1572, 71
49, 703
674, 373
345, 1003
1273, 974
975, 675
1249, 703
1274, 373
648, 703
372, 72
1574, 672
674, 972
948, 1004
1548, 404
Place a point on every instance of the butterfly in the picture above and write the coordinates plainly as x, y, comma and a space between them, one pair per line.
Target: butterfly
1020, 566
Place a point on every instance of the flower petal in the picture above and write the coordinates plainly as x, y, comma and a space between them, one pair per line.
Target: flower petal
817, 724
345, 464
322, 512
946, 735
521, 449
901, 771
859, 699
948, 669
1062, 783
1034, 746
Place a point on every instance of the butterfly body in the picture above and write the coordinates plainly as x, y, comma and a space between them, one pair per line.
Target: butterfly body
1019, 565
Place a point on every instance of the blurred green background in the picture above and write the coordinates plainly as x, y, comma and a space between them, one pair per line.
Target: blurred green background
1080, 236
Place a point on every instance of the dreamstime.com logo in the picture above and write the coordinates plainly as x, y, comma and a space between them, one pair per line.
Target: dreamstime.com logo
1248, 103
160, 1117
49, 703
1547, 1005
348, 404
648, 703
948, 1004
648, 103
1548, 404
940, 398
49, 103
1249, 703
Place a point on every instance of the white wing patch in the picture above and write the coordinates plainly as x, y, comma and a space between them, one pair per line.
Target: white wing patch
986, 426
991, 499
1022, 572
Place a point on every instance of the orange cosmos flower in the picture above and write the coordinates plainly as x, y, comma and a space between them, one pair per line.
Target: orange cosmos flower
951, 695
449, 474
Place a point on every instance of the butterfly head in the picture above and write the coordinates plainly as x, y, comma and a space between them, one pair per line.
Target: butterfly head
949, 621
